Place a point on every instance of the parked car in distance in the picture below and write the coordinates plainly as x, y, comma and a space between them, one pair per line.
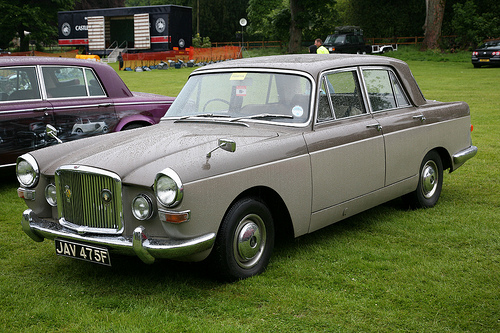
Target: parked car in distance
73, 95
350, 39
250, 150
486, 54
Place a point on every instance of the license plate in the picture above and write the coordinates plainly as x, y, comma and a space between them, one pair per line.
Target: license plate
95, 254
484, 60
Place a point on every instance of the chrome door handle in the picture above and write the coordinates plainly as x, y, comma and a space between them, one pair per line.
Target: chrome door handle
40, 109
420, 117
104, 105
378, 127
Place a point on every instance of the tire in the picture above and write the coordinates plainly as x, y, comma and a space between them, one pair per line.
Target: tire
245, 240
430, 182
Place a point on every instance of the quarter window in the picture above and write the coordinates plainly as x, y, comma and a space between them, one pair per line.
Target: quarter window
384, 90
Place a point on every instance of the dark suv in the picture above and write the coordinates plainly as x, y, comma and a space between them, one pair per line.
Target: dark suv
346, 41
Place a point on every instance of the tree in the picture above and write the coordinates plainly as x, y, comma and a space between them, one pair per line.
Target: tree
94, 4
296, 11
34, 20
433, 23
292, 20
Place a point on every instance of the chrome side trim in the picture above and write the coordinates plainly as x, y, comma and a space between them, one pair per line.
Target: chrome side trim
147, 249
462, 156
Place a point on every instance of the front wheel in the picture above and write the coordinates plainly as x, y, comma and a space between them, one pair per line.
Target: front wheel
245, 241
430, 182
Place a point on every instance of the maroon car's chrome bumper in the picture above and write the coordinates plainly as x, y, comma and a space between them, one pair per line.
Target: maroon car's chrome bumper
147, 249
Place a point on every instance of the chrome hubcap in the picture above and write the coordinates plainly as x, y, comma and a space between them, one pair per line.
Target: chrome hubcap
429, 179
249, 241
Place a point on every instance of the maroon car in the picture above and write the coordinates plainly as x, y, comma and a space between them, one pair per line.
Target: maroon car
78, 97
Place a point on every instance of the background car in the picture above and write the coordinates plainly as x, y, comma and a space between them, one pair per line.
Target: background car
250, 150
36, 91
487, 54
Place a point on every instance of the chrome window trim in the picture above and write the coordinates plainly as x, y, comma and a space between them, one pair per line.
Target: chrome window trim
364, 95
390, 70
265, 70
39, 84
83, 68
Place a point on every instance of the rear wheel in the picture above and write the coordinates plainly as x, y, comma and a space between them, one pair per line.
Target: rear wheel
245, 240
430, 182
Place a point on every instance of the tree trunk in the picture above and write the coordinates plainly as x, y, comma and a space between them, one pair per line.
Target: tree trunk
295, 31
433, 22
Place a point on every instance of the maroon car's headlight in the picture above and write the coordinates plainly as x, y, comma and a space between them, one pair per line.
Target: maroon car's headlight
27, 170
168, 188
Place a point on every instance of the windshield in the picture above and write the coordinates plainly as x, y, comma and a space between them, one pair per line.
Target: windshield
335, 39
272, 97
491, 45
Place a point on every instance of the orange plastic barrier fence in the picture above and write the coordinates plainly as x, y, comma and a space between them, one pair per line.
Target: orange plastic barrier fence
88, 57
133, 60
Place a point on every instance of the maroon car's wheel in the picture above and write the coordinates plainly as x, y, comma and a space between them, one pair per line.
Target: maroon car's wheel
430, 182
245, 240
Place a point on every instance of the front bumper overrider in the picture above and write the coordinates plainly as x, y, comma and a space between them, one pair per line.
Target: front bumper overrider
147, 249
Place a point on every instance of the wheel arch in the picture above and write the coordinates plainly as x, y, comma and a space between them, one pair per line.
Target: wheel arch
133, 121
445, 157
279, 211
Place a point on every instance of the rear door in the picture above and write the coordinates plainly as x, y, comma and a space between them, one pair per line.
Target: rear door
402, 123
81, 106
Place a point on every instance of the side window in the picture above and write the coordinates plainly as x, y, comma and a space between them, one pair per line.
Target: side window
95, 88
344, 93
18, 83
64, 82
384, 90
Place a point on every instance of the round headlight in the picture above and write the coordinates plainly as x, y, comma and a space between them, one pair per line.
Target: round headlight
27, 170
142, 207
51, 195
168, 188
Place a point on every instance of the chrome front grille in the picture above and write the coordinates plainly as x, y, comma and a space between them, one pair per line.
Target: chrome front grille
89, 199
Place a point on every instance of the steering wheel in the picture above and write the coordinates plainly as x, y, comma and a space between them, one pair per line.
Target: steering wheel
214, 100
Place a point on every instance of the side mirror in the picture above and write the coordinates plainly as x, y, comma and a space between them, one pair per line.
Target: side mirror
227, 145
52, 132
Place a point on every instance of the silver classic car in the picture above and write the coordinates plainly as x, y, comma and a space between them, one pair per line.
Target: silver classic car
250, 149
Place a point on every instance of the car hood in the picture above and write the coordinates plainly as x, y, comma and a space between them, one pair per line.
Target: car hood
138, 155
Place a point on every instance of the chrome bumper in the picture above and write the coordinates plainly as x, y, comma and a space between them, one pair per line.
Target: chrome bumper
462, 156
147, 249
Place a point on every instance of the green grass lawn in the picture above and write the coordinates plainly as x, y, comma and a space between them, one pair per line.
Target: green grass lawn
384, 270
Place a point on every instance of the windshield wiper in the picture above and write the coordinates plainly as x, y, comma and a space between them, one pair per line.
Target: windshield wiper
264, 116
205, 115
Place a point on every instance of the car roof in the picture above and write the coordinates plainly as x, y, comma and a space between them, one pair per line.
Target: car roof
309, 63
20, 61
315, 64
113, 84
